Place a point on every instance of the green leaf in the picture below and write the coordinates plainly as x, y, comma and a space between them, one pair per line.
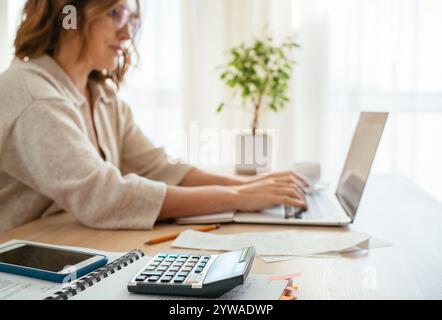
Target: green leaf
261, 69
220, 107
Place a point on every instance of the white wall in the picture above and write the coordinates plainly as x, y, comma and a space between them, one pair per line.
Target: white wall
4, 36
10, 11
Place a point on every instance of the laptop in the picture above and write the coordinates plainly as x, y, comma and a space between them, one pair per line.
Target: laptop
339, 209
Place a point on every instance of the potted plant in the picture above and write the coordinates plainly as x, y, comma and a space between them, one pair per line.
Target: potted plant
260, 74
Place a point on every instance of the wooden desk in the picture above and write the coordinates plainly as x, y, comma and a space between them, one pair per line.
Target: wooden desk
392, 209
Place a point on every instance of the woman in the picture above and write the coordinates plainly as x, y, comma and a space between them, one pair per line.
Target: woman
68, 143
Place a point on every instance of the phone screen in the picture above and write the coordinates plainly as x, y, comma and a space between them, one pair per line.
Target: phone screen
49, 259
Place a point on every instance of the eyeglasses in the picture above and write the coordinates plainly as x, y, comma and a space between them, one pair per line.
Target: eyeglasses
122, 16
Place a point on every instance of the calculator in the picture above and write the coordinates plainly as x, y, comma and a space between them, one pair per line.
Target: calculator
196, 275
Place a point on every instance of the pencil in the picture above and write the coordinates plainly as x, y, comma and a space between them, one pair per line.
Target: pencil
173, 236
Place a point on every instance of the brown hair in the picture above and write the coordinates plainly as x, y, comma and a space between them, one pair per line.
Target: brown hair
39, 31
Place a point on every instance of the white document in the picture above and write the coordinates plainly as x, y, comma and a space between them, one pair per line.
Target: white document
285, 243
372, 244
21, 288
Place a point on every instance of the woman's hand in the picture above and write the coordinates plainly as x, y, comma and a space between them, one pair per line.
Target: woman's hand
269, 190
300, 184
245, 194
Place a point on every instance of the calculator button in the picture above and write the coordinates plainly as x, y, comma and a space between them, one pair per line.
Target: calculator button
187, 269
162, 255
178, 264
166, 279
179, 279
173, 256
152, 273
170, 274
162, 269
199, 270
154, 279
166, 264
206, 258
183, 274
170, 260
191, 264
151, 268
154, 264
174, 269
185, 256
140, 278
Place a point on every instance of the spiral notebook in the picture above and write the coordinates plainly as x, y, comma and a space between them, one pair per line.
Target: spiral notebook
110, 283
92, 281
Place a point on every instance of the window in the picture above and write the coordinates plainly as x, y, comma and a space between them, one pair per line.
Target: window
9, 19
379, 55
153, 88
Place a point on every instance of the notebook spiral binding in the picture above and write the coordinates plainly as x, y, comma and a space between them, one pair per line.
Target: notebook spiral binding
96, 276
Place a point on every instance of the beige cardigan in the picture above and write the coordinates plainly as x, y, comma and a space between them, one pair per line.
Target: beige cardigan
50, 160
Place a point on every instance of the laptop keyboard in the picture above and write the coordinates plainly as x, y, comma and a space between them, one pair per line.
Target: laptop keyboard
319, 207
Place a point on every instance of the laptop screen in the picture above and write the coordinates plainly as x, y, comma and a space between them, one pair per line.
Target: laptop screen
359, 160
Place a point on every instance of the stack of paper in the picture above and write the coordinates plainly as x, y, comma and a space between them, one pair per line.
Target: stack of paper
278, 246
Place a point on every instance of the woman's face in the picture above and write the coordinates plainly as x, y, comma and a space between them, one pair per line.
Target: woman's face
111, 33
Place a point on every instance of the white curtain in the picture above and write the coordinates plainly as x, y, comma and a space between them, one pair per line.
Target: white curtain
3, 39
356, 55
374, 55
9, 18
153, 88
